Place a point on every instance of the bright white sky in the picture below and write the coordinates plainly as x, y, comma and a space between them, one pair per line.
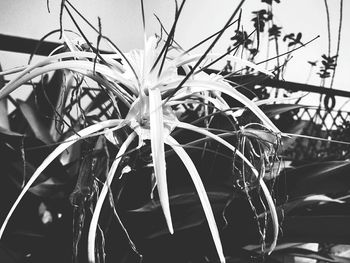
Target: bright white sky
121, 20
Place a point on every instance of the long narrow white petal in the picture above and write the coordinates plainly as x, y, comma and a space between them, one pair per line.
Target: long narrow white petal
158, 154
194, 86
55, 58
102, 197
12, 70
201, 193
63, 146
73, 64
266, 192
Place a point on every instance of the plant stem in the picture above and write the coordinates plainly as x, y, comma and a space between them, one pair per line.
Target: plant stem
338, 43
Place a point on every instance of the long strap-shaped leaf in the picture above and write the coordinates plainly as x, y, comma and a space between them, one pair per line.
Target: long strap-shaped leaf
102, 197
186, 160
264, 188
158, 155
71, 140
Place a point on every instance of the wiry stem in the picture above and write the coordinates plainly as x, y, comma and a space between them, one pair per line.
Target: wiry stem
62, 147
338, 43
328, 28
205, 53
263, 186
102, 196
106, 38
165, 48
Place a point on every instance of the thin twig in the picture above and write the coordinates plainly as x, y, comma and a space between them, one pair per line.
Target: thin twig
61, 17
328, 28
205, 53
290, 51
338, 42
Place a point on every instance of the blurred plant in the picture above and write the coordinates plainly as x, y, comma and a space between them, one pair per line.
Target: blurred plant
241, 39
328, 65
293, 40
275, 32
260, 19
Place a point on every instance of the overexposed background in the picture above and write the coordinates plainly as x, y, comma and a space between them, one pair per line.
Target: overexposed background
121, 21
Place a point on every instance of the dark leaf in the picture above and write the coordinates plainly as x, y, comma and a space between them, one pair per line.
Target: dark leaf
289, 36
8, 255
35, 122
187, 211
297, 128
317, 178
241, 38
277, 109
50, 188
306, 253
183, 199
305, 201
22, 155
316, 228
313, 63
275, 31
298, 38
